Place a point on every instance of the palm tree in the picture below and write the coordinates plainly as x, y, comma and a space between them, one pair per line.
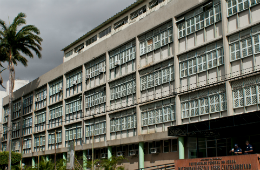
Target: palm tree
14, 44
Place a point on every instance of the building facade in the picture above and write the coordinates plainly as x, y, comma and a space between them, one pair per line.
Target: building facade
154, 65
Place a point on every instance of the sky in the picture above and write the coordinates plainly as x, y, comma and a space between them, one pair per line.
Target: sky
60, 22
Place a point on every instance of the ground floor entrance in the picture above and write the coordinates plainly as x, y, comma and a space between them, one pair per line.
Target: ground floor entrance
216, 137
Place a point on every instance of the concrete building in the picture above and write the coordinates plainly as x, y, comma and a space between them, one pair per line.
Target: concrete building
155, 65
18, 84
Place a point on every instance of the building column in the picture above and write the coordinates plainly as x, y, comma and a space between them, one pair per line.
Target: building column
109, 152
176, 74
138, 87
64, 156
63, 137
107, 109
227, 65
33, 161
181, 147
141, 155
85, 160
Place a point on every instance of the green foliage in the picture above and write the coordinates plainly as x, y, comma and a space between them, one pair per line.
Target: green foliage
15, 159
89, 163
48, 165
14, 43
120, 168
61, 164
111, 163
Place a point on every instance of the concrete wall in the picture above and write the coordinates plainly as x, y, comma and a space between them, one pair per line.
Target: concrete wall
193, 86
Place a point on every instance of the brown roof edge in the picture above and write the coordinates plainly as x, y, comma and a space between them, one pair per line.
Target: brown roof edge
105, 23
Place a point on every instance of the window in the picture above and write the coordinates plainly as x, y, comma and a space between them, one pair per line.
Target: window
254, 2
121, 22
138, 12
96, 126
242, 5
27, 126
190, 26
96, 67
199, 18
246, 47
158, 112
79, 48
201, 60
209, 17
40, 117
91, 40
123, 121
40, 99
95, 97
122, 55
245, 92
154, 3
235, 6
182, 29
123, 87
166, 146
105, 32
203, 102
156, 38
73, 132
212, 59
55, 91
244, 44
69, 53
235, 52
174, 145
74, 105
217, 12
232, 7
162, 75
256, 44
16, 109
55, 115
73, 79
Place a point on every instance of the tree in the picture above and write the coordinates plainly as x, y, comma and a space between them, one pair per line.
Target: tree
14, 44
16, 157
111, 163
88, 163
61, 164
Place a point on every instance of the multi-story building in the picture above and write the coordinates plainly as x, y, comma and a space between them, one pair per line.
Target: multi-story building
156, 64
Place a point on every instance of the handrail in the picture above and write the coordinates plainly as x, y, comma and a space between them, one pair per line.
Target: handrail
159, 167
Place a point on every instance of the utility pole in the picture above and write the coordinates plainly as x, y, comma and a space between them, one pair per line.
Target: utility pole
40, 149
74, 151
22, 155
9, 126
55, 151
93, 149
38, 152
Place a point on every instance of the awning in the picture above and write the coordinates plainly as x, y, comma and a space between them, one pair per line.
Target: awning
247, 123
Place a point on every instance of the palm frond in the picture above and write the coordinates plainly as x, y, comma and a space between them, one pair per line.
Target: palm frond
20, 58
18, 20
27, 29
3, 25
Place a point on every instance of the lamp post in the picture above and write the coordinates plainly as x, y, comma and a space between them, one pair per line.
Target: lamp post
55, 151
39, 149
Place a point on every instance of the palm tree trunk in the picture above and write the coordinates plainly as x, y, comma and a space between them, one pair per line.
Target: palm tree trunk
9, 127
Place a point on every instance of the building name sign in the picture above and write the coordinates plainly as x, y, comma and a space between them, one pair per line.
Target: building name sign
239, 162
